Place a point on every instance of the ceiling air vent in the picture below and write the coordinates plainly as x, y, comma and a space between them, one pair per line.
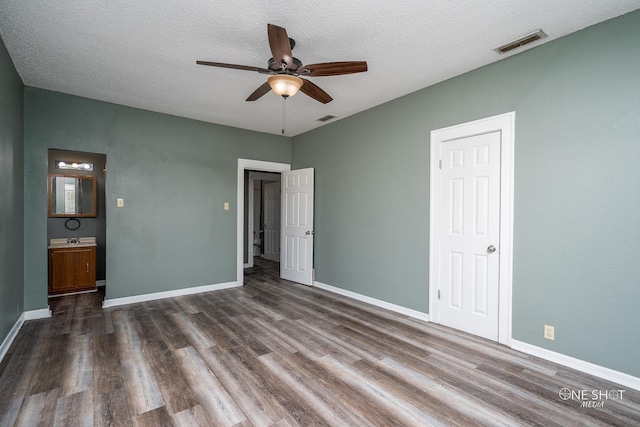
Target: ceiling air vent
326, 118
529, 38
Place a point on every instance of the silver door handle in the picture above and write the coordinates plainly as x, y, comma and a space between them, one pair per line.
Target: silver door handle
309, 233
491, 249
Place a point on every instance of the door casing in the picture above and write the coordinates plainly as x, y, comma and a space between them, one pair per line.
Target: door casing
505, 124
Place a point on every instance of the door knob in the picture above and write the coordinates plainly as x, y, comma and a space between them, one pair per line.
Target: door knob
308, 233
491, 249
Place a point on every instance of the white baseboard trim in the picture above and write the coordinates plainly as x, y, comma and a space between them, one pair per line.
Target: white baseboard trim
247, 265
13, 333
4, 348
578, 364
100, 283
43, 313
167, 294
373, 301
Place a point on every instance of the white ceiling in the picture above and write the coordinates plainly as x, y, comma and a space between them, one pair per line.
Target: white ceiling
143, 53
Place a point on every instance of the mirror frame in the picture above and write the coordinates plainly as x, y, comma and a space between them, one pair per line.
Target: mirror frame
50, 212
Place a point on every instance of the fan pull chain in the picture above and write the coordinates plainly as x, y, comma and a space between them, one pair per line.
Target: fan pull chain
284, 113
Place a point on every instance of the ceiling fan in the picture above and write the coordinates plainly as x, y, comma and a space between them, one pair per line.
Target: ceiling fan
285, 70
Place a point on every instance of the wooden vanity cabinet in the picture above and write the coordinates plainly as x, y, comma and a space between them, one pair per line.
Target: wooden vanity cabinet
72, 269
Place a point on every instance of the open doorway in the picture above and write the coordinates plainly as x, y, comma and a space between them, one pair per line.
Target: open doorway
73, 238
297, 234
263, 216
244, 238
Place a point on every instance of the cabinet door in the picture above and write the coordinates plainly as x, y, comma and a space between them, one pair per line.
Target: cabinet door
62, 272
85, 268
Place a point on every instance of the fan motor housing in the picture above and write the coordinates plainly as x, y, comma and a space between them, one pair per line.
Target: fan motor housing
277, 66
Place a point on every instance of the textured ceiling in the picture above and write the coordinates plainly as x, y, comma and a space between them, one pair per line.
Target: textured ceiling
143, 54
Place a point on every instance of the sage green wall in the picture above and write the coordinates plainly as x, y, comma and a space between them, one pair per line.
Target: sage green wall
577, 198
174, 175
11, 195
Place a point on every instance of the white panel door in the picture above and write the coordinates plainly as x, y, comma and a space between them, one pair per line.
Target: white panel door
271, 229
470, 234
296, 259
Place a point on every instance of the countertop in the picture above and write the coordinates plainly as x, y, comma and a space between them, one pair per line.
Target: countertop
66, 242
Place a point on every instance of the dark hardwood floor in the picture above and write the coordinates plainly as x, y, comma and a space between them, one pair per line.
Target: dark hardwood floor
274, 353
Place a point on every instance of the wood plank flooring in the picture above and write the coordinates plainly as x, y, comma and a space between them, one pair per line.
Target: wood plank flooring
274, 353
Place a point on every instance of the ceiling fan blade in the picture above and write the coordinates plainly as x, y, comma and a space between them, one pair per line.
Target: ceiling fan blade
333, 68
279, 44
258, 93
312, 90
235, 67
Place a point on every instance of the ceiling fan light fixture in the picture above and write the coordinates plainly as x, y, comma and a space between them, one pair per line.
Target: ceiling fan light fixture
285, 85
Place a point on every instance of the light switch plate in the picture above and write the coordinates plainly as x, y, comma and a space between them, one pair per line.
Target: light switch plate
120, 202
226, 206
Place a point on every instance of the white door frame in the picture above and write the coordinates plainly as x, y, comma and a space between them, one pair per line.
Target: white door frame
252, 177
256, 165
505, 124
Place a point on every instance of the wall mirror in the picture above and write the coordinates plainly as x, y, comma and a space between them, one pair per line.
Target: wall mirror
72, 196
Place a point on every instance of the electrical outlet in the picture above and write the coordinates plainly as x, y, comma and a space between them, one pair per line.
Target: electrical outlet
549, 332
